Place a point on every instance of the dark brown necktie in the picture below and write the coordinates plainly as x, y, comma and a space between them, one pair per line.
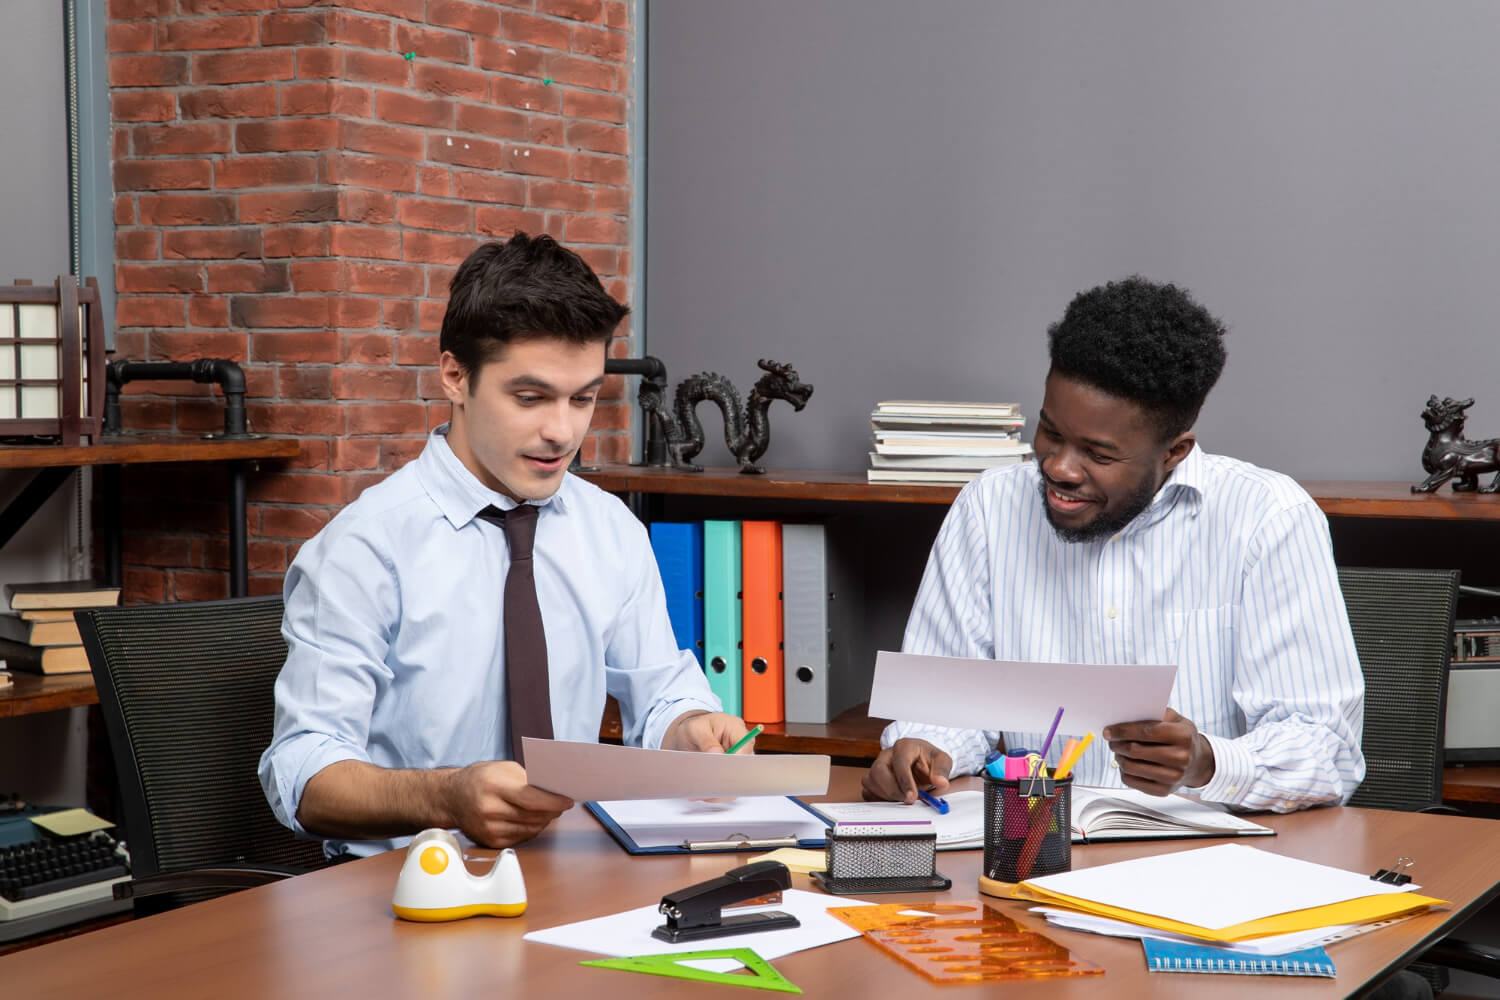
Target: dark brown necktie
525, 641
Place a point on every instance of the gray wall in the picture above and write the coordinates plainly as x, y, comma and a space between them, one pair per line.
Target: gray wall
34, 147
899, 197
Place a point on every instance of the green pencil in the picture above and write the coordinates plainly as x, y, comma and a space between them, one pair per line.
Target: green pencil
746, 739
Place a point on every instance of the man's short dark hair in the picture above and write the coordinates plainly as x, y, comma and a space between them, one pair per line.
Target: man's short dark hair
525, 287
1142, 341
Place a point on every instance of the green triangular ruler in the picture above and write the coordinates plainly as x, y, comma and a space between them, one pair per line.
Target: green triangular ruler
761, 976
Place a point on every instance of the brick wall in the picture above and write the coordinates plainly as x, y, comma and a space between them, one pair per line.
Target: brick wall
294, 185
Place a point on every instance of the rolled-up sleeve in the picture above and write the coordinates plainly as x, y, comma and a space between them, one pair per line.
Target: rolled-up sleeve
341, 596
653, 680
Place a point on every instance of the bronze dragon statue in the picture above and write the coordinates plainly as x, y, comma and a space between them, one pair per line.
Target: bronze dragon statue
747, 431
1450, 455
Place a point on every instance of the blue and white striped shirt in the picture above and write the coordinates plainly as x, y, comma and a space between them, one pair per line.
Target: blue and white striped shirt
1228, 573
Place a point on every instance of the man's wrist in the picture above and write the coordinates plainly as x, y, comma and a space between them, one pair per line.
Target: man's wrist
1202, 768
670, 736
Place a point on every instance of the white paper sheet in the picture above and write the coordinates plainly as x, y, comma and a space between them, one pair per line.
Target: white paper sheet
629, 933
1271, 944
1217, 886
961, 828
668, 822
587, 772
1018, 697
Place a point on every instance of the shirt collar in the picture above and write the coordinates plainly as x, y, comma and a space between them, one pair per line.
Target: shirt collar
458, 493
1187, 482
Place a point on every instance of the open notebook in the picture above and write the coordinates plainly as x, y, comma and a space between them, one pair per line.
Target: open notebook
1126, 814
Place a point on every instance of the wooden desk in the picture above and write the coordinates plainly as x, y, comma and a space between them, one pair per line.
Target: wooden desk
853, 737
54, 463
331, 933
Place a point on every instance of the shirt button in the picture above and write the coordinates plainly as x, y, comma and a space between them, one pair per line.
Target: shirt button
1113, 612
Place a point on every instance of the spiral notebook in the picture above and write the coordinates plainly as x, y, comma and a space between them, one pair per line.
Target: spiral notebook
1179, 956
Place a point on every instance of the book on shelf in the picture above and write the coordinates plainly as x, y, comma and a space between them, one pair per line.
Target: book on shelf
971, 463
47, 614
902, 420
931, 477
945, 408
61, 594
1127, 814
21, 656
58, 633
942, 437
911, 446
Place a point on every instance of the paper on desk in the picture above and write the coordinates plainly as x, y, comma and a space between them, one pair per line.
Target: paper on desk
629, 933
1007, 695
587, 772
1215, 887
1271, 944
669, 822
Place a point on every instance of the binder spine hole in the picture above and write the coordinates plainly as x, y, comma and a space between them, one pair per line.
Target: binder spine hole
758, 665
718, 665
805, 674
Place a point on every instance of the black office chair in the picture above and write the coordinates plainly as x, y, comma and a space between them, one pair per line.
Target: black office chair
186, 692
1402, 620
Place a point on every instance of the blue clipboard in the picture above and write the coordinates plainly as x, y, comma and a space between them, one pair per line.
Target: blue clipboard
730, 844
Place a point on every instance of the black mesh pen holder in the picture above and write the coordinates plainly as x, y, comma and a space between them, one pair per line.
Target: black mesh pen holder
1028, 829
880, 857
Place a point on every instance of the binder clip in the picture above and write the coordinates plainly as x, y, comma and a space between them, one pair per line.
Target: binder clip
1395, 875
696, 912
1036, 787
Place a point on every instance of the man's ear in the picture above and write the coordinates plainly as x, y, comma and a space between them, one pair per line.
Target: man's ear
1178, 449
455, 378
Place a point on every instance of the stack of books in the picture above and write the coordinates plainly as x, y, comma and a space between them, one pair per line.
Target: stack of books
932, 441
42, 637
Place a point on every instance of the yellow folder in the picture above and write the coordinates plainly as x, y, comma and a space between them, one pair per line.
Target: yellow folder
1350, 911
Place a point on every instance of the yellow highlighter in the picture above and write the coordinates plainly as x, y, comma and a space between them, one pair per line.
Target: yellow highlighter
1071, 755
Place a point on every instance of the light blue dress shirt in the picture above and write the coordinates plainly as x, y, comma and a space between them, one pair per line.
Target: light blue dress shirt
1228, 573
396, 643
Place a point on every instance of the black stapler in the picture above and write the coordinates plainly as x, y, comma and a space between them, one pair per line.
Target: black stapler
695, 912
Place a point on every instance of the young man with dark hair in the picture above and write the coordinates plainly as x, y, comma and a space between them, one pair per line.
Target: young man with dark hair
1124, 542
407, 687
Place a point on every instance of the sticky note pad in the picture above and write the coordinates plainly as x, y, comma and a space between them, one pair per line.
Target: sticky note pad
70, 822
796, 859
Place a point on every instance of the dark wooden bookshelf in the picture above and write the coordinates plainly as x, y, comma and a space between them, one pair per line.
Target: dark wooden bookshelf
128, 449
852, 737
30, 693
1336, 498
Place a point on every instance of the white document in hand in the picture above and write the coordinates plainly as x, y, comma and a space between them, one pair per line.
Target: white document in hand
1008, 695
586, 772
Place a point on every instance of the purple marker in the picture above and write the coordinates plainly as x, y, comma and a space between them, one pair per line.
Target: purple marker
1047, 744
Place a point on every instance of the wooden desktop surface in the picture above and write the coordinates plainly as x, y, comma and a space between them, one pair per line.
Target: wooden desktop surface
331, 933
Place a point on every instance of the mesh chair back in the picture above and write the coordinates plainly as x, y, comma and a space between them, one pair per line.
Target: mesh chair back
1402, 621
187, 696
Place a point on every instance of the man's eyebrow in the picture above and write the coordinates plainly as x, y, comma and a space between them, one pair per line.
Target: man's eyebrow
1097, 443
542, 385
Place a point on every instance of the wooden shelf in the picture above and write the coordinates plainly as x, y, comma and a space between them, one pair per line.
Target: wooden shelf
29, 693
1338, 499
776, 484
1471, 784
853, 736
1396, 500
132, 449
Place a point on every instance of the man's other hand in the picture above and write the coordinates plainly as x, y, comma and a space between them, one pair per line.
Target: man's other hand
1160, 757
904, 767
706, 732
495, 807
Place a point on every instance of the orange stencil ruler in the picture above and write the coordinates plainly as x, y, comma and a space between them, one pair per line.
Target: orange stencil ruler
963, 942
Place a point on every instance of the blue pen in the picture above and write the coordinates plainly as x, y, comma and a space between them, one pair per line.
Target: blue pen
940, 805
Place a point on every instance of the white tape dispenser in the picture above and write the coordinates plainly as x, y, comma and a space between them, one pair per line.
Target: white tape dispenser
434, 884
